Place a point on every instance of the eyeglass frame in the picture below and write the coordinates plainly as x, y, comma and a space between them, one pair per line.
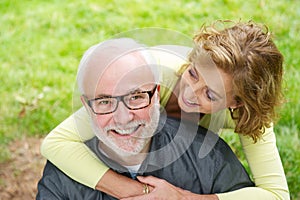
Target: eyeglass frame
121, 98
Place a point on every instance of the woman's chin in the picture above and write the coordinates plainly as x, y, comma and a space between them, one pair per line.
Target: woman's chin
188, 109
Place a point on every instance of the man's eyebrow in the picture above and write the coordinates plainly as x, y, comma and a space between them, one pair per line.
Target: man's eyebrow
103, 96
129, 92
135, 91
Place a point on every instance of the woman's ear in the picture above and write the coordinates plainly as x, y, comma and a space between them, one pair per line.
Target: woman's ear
235, 105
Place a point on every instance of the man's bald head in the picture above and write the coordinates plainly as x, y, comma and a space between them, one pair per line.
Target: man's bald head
98, 58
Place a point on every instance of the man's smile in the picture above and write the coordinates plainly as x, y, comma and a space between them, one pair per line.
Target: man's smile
128, 131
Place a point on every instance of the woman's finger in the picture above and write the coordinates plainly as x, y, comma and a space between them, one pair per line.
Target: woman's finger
150, 180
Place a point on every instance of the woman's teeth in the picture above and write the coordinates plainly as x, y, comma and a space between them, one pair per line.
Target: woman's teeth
190, 102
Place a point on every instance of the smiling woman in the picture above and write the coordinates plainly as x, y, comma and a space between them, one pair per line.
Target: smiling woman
204, 88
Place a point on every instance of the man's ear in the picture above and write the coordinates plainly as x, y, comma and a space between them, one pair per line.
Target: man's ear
83, 101
158, 91
158, 88
82, 98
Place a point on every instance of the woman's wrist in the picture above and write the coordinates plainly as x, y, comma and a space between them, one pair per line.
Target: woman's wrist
119, 186
202, 197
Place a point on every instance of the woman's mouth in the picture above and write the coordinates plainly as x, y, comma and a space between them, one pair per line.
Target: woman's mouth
189, 103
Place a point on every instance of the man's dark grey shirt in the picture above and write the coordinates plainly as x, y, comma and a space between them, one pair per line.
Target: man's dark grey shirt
182, 153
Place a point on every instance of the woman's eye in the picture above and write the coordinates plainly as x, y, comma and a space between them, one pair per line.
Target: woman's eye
210, 95
193, 74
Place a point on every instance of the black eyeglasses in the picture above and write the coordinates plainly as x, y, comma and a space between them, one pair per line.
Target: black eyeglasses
133, 101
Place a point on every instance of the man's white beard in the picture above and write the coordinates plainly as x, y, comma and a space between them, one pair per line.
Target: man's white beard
134, 145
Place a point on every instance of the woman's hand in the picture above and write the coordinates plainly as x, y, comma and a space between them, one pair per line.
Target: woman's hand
164, 191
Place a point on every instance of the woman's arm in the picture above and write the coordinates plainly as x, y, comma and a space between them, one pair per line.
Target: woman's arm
165, 190
64, 147
265, 164
119, 186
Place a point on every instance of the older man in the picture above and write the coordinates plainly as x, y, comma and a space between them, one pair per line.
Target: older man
120, 91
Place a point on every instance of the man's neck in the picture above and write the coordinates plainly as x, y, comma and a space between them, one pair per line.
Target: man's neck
130, 160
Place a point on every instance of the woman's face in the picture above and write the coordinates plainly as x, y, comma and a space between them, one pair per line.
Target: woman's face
205, 88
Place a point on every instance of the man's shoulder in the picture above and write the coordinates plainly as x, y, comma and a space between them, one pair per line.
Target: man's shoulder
54, 184
194, 137
173, 127
54, 177
207, 157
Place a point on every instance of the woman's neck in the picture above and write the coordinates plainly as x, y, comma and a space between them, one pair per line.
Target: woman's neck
173, 110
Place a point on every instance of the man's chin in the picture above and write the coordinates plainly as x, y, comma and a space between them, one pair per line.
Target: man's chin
127, 152
131, 147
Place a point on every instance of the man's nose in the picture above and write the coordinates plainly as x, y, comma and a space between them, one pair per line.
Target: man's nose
122, 115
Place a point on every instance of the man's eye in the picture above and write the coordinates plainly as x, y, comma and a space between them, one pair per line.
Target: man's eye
104, 102
137, 97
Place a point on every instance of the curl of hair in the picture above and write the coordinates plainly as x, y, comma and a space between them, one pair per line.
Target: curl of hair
247, 52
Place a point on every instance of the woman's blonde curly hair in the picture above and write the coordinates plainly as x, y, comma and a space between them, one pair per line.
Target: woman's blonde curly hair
247, 52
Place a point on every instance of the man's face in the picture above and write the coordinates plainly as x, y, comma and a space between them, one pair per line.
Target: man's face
126, 131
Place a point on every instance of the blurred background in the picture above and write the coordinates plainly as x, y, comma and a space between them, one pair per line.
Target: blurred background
41, 43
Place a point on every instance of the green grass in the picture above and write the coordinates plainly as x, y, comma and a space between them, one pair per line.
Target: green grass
42, 42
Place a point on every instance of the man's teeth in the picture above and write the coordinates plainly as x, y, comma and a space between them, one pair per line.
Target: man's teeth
126, 131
